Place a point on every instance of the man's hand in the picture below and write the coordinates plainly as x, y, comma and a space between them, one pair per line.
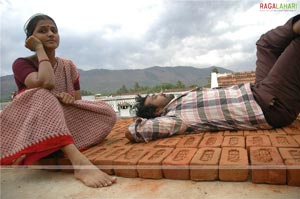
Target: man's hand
65, 98
33, 43
129, 136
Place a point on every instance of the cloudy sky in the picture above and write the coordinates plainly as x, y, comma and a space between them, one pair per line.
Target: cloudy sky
132, 34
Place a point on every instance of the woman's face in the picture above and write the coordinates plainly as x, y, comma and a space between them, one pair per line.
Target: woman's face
47, 33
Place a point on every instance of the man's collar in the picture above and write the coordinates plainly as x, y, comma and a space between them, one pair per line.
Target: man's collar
176, 98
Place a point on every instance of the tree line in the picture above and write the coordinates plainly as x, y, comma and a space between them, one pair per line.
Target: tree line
164, 86
154, 89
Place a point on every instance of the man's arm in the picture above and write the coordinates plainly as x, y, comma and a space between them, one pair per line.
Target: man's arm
146, 130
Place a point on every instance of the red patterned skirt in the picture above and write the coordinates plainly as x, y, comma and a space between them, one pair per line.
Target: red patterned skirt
35, 123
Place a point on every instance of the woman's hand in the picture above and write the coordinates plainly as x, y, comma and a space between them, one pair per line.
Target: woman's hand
65, 98
33, 43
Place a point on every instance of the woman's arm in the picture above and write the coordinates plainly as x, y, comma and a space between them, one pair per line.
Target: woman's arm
45, 76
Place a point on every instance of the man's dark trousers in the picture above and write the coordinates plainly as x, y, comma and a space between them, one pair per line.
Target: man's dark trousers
277, 86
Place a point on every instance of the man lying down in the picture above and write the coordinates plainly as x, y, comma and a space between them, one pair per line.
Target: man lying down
273, 101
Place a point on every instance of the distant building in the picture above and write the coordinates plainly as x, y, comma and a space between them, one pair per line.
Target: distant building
230, 79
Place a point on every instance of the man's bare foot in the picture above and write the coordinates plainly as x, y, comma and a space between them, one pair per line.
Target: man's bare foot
91, 176
296, 27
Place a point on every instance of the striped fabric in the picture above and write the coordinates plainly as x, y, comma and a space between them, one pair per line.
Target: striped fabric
232, 108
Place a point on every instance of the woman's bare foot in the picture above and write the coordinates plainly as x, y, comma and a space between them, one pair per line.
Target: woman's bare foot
85, 171
91, 176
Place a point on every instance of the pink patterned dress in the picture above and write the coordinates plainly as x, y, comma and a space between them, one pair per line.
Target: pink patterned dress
35, 123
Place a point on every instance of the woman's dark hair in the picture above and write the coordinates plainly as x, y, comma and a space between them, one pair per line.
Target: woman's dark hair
142, 110
32, 22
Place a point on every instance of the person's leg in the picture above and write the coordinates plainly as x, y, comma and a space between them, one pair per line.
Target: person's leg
296, 26
271, 45
278, 94
85, 171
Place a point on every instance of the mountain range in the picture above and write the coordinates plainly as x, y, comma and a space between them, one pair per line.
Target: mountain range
109, 81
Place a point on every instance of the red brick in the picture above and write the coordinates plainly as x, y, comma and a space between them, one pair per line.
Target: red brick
297, 138
283, 141
115, 142
258, 132
267, 166
291, 158
233, 164
168, 142
280, 131
116, 133
152, 143
190, 141
233, 133
129, 159
94, 152
218, 133
268, 132
289, 153
204, 165
291, 130
142, 144
234, 141
274, 132
89, 151
150, 165
293, 172
211, 141
257, 141
176, 165
105, 161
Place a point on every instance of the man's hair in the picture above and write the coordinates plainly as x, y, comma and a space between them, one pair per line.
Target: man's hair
142, 110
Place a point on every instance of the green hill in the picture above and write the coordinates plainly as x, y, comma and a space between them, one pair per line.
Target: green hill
109, 81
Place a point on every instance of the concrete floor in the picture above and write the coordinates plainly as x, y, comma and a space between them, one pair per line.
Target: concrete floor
41, 184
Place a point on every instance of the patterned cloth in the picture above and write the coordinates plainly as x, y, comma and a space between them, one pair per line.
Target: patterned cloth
229, 108
35, 123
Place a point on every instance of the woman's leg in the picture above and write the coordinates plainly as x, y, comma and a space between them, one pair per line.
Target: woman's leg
85, 171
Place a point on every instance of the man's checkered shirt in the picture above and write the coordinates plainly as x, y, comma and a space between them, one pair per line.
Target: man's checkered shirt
232, 108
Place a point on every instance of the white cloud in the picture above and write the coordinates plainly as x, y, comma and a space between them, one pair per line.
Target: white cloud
115, 34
